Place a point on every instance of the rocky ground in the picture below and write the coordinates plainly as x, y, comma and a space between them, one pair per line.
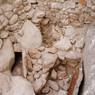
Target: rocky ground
42, 44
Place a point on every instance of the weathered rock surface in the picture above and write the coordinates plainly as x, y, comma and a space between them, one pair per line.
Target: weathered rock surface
89, 62
15, 85
6, 56
20, 86
31, 36
63, 44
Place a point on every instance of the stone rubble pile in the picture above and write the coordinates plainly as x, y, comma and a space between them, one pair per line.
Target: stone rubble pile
49, 35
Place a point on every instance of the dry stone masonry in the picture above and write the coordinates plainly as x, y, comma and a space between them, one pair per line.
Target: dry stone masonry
41, 46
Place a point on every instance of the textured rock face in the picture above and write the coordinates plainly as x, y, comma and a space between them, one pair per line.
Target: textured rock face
89, 63
15, 85
20, 86
47, 38
30, 32
6, 56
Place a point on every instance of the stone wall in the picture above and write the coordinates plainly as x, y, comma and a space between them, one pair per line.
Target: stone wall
48, 36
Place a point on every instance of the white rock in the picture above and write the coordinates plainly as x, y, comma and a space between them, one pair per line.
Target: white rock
20, 86
3, 20
6, 56
27, 8
73, 54
68, 4
23, 16
38, 15
32, 1
9, 14
4, 34
70, 30
61, 55
32, 37
30, 13
14, 19
63, 44
17, 3
37, 67
7, 7
62, 92
48, 59
5, 84
53, 85
80, 43
38, 84
56, 5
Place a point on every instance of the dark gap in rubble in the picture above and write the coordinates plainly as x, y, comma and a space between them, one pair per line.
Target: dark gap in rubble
17, 67
82, 83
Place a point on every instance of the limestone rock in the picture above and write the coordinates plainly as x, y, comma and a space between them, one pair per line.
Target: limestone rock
4, 34
38, 84
61, 55
38, 15
32, 1
5, 84
9, 14
6, 56
30, 14
7, 7
48, 59
32, 37
53, 85
63, 44
62, 92
80, 43
27, 8
73, 54
13, 20
20, 86
89, 62
70, 31
17, 3
4, 21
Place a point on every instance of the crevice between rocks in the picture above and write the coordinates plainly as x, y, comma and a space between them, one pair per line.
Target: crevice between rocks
17, 67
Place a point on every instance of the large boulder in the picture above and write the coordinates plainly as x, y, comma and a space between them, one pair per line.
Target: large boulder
15, 85
20, 86
32, 37
89, 63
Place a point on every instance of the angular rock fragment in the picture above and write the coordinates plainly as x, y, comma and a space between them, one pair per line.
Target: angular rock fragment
13, 19
32, 1
20, 86
54, 74
38, 15
63, 44
32, 37
6, 56
73, 54
62, 92
4, 34
53, 85
38, 84
48, 60
61, 55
